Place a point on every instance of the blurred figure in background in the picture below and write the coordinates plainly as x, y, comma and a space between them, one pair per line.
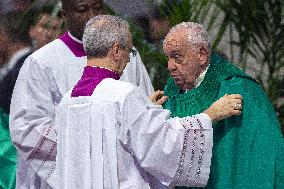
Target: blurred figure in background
158, 26
15, 47
14, 6
47, 27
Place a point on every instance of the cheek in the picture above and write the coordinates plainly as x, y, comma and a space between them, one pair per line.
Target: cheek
188, 72
76, 20
84, 18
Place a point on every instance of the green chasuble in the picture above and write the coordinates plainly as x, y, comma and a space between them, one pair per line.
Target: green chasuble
248, 150
7, 154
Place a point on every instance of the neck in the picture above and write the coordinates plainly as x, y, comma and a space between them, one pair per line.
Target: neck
75, 37
103, 62
79, 40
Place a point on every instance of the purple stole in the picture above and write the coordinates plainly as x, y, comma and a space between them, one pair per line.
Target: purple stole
91, 77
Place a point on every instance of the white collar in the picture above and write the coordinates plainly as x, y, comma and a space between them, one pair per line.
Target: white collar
74, 38
104, 68
199, 80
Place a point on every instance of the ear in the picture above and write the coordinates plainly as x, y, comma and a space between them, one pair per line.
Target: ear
203, 55
116, 52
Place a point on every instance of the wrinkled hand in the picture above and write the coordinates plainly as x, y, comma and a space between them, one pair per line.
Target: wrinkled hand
226, 106
158, 97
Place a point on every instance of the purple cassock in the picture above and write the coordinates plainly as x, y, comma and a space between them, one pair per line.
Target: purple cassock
91, 77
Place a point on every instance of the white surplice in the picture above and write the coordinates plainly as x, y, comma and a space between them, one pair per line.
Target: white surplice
118, 139
45, 77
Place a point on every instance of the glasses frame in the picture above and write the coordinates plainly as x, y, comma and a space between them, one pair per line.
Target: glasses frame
133, 51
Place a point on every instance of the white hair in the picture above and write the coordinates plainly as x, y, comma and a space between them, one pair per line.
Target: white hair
101, 32
196, 34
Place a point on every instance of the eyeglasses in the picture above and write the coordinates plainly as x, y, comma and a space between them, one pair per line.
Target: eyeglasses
133, 51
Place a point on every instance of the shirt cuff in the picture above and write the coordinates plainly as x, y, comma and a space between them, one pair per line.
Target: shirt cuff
206, 120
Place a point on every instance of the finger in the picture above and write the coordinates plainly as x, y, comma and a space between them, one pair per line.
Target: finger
237, 112
160, 95
233, 102
235, 96
236, 104
154, 96
238, 101
240, 106
162, 100
157, 93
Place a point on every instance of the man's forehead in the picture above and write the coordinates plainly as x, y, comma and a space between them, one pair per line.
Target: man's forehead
176, 39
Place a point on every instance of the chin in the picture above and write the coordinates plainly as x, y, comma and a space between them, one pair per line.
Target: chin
179, 83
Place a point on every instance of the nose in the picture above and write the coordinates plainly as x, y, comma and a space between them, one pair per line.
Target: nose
171, 65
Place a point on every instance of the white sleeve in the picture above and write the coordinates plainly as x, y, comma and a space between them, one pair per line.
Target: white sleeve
32, 117
136, 73
177, 151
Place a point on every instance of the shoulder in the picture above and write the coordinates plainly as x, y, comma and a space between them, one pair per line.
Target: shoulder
52, 56
51, 53
241, 83
251, 91
109, 90
113, 87
47, 49
118, 91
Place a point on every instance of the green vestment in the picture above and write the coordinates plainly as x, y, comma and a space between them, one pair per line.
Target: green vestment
7, 154
248, 150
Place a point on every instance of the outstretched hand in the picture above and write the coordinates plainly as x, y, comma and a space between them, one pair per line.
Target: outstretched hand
158, 97
226, 106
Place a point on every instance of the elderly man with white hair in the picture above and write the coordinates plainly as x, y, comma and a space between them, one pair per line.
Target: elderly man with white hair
248, 149
110, 135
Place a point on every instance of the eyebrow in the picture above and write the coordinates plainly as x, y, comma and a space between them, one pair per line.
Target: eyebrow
176, 52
